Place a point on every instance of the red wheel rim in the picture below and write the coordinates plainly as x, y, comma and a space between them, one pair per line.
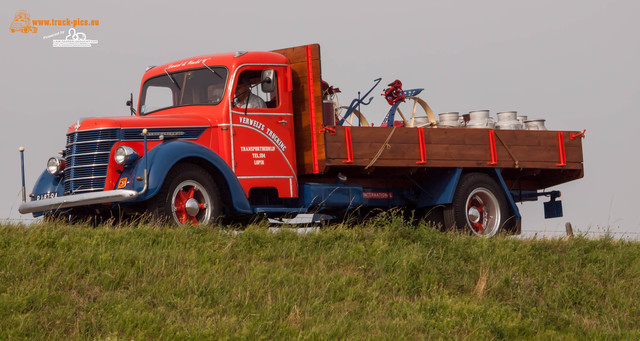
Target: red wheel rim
483, 212
191, 204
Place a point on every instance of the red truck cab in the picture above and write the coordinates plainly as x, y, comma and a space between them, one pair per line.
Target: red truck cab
256, 143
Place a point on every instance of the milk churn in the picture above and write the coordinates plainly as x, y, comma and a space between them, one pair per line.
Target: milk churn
537, 124
480, 119
508, 120
449, 120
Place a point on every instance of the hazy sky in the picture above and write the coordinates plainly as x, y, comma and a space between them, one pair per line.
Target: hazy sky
574, 63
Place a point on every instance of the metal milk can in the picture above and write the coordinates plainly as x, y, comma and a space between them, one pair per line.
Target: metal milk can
480, 119
449, 120
508, 120
537, 124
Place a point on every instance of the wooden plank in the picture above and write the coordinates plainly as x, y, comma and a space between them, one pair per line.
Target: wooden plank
336, 148
455, 147
444, 152
457, 136
451, 164
298, 54
539, 153
465, 148
410, 135
304, 134
535, 137
401, 151
463, 136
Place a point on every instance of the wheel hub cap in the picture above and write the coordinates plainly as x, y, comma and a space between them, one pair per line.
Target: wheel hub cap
474, 214
190, 203
192, 207
483, 212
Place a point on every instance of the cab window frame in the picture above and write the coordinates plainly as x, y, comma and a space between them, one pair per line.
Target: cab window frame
256, 90
176, 93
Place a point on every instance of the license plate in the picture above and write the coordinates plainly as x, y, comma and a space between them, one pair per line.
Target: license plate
45, 196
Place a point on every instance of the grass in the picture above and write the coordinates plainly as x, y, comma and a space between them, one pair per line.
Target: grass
377, 280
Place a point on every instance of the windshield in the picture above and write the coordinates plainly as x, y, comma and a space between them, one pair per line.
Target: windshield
204, 86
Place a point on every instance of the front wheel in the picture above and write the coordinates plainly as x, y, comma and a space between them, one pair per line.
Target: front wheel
479, 206
188, 195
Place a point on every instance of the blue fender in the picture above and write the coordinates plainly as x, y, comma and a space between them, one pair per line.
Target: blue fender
507, 193
441, 185
164, 156
47, 184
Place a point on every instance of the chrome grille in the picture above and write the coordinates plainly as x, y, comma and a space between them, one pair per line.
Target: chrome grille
87, 159
154, 133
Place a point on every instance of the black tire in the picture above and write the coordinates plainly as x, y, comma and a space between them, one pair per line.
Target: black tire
189, 195
479, 206
433, 216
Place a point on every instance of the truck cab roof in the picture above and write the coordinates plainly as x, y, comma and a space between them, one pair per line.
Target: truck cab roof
230, 60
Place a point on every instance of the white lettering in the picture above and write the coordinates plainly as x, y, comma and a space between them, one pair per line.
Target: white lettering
260, 126
276, 139
257, 148
53, 35
377, 195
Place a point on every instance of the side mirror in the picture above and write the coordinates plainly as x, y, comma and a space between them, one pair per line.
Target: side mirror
268, 81
129, 103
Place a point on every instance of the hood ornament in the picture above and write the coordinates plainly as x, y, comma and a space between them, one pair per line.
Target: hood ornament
77, 125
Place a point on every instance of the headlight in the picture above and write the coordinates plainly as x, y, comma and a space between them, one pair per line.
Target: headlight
125, 155
55, 165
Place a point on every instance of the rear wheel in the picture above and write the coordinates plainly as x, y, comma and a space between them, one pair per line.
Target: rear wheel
479, 206
188, 195
432, 215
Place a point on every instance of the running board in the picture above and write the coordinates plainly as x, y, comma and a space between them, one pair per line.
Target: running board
302, 218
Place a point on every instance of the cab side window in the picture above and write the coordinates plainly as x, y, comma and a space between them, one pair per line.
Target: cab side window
249, 92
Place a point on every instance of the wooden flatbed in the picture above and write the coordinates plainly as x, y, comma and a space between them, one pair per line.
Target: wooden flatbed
532, 158
539, 159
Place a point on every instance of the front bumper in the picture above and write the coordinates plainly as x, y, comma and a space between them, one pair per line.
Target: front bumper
85, 199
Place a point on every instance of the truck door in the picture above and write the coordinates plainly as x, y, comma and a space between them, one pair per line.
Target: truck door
263, 135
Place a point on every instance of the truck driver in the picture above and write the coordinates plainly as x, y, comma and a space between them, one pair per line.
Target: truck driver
243, 90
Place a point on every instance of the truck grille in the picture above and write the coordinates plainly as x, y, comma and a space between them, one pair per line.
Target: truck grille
154, 133
87, 159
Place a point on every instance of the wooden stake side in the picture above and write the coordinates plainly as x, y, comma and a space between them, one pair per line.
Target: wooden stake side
458, 147
304, 129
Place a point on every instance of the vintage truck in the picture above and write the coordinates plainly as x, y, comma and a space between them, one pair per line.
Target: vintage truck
242, 134
22, 23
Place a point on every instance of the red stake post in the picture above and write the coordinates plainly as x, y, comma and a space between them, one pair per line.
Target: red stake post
561, 151
423, 149
492, 148
347, 138
312, 111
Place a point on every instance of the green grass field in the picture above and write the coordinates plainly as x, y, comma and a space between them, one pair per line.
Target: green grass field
378, 280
